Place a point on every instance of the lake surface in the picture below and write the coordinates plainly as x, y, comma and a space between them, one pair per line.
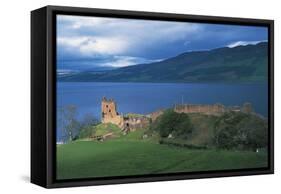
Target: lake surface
145, 98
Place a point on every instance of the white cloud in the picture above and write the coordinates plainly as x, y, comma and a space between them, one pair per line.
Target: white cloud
65, 71
77, 22
94, 35
91, 45
123, 61
115, 25
71, 41
244, 43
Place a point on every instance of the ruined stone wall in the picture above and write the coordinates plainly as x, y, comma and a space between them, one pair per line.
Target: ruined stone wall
117, 120
155, 115
135, 123
214, 109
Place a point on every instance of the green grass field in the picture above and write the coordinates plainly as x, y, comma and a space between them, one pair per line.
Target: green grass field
82, 159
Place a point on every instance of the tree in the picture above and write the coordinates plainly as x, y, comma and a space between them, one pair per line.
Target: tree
184, 127
256, 133
88, 120
170, 122
67, 122
240, 131
87, 126
167, 123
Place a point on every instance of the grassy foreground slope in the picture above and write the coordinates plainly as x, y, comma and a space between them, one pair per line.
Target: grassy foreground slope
81, 159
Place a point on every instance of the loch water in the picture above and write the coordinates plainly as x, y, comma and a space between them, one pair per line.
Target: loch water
144, 98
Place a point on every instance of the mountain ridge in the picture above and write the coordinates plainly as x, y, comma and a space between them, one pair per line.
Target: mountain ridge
238, 64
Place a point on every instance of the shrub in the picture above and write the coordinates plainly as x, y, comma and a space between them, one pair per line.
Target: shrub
240, 131
170, 122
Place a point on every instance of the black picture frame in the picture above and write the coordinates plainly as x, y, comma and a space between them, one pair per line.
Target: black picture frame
43, 95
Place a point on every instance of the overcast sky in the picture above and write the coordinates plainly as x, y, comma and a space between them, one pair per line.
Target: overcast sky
89, 43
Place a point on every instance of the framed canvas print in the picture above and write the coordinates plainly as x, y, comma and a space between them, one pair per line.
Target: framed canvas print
126, 96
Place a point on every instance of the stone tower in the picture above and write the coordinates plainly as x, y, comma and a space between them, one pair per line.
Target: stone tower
109, 112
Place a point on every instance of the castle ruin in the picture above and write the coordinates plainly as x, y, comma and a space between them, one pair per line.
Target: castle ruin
129, 122
132, 122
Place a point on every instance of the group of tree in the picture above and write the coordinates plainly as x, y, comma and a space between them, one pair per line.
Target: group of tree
232, 130
172, 123
237, 130
70, 125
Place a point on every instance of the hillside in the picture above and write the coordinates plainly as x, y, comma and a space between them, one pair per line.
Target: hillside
231, 130
242, 63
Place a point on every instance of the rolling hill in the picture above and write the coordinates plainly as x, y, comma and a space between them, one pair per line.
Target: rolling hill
239, 64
